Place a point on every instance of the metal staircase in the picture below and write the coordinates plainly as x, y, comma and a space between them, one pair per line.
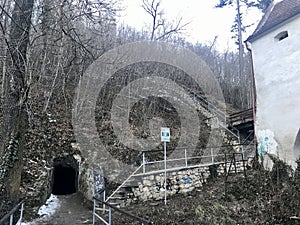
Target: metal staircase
121, 194
123, 191
220, 115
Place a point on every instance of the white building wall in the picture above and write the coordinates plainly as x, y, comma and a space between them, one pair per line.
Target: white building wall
277, 77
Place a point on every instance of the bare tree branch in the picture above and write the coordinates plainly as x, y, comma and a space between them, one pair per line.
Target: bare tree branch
161, 27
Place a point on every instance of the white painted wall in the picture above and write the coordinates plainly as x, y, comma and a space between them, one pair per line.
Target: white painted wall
277, 77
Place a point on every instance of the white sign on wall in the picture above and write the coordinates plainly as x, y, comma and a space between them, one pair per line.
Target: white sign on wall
165, 134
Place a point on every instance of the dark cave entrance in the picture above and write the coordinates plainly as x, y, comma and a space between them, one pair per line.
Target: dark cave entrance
65, 176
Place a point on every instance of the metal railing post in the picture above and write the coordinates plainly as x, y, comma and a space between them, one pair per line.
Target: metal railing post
225, 165
104, 199
21, 214
185, 157
109, 216
212, 155
94, 209
11, 219
144, 169
109, 220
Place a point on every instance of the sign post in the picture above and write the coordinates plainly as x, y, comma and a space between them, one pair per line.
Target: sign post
165, 137
99, 184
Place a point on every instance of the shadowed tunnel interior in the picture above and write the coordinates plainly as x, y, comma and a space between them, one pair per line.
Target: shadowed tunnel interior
64, 177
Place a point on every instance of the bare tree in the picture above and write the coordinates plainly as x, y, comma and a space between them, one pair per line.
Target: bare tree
70, 35
14, 104
5, 7
161, 28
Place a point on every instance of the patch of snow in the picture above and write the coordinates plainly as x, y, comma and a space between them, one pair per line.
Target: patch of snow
50, 206
46, 210
27, 223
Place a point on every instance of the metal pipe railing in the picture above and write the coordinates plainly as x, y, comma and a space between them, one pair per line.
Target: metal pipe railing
122, 211
128, 178
10, 215
147, 166
185, 159
209, 106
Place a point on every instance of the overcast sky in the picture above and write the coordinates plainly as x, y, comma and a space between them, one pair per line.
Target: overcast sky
206, 22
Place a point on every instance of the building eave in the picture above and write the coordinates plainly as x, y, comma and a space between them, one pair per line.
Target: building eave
258, 35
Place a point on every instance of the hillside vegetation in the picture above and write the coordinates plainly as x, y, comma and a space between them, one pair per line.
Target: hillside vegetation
46, 48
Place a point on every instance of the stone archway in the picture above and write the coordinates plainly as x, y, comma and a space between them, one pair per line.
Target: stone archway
65, 176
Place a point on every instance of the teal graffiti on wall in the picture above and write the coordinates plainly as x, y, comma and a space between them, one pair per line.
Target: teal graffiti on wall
263, 145
266, 142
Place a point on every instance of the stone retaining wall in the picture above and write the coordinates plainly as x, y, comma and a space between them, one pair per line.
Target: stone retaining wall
183, 181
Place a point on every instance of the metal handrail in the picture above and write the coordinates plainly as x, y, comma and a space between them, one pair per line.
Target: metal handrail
133, 161
206, 104
210, 107
141, 158
10, 214
110, 207
232, 133
145, 163
221, 116
120, 186
189, 148
186, 158
242, 115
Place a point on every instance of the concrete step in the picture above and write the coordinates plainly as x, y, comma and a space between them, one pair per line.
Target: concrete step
131, 185
117, 198
117, 203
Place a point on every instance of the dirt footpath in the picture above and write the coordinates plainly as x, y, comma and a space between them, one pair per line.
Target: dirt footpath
64, 210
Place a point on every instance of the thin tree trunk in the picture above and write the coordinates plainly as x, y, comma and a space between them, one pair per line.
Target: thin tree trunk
15, 97
59, 66
3, 44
